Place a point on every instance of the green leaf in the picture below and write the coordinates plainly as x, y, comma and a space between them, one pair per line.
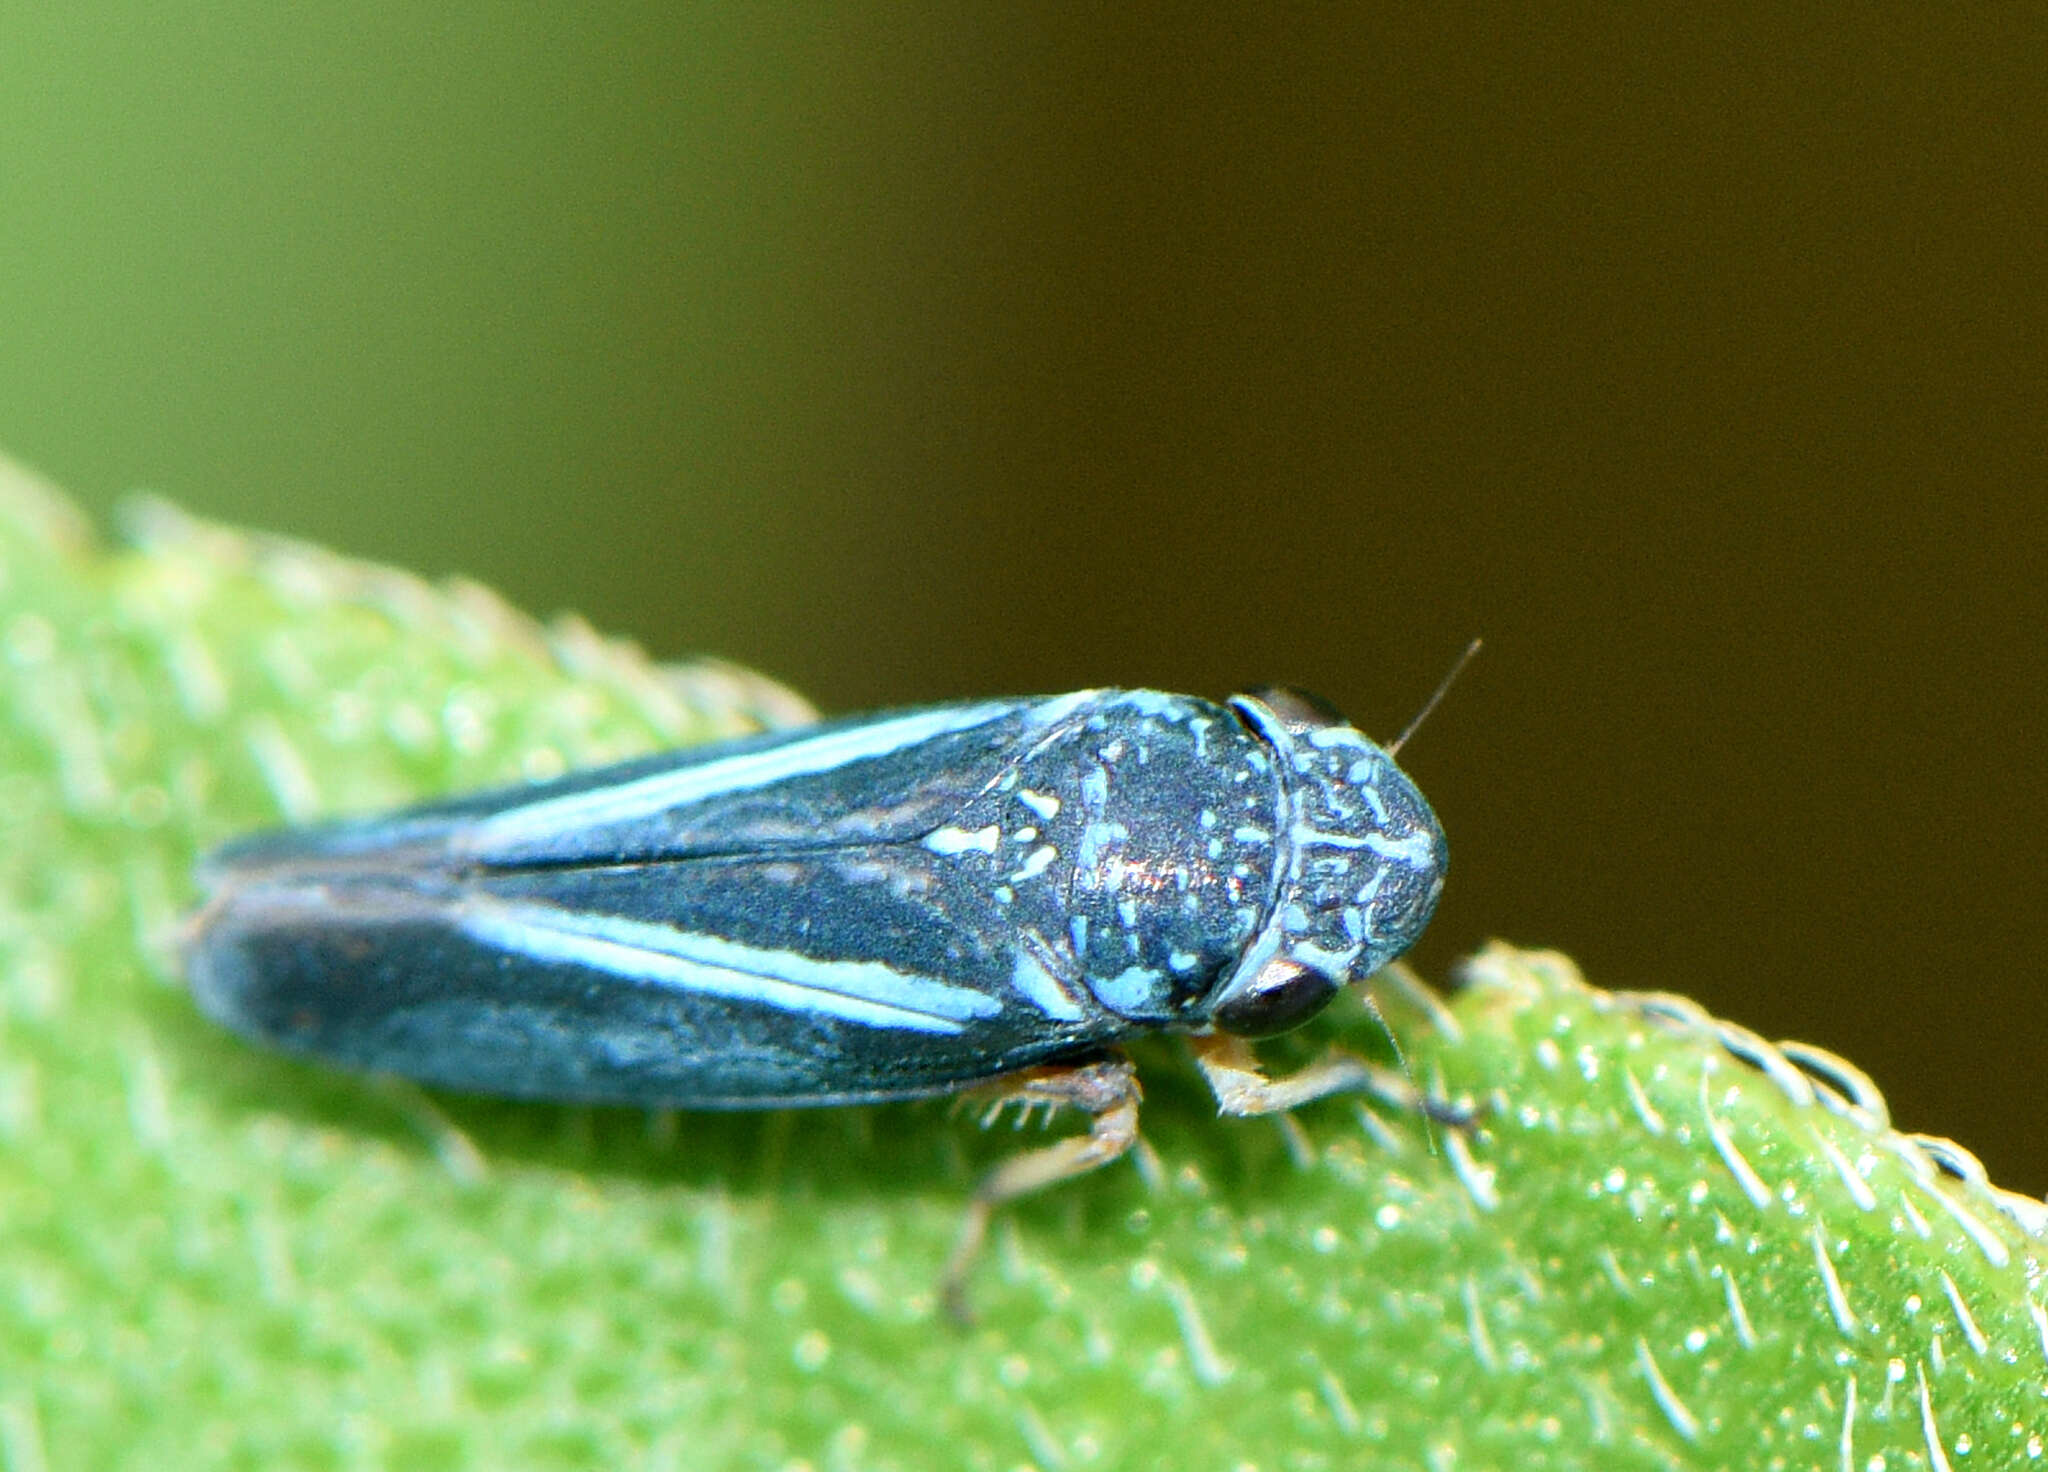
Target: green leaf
1663, 1243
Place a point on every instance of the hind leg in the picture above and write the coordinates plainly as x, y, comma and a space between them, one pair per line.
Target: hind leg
1108, 1090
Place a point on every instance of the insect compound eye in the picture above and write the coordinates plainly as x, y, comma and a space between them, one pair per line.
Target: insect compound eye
1285, 994
1299, 710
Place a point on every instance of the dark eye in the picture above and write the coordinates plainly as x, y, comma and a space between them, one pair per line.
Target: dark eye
1283, 996
1299, 710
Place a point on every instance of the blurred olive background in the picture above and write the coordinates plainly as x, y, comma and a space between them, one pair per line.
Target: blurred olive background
1697, 363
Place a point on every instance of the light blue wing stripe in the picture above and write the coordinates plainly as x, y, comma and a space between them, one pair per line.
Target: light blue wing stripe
651, 794
659, 955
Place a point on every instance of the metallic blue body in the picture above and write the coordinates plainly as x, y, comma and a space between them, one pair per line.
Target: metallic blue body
883, 907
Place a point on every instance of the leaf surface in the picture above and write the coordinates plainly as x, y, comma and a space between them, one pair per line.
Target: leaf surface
1662, 1244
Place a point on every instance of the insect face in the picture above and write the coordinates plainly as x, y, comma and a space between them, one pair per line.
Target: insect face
1358, 866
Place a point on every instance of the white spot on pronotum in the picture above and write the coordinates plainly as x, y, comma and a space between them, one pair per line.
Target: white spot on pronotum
2040, 1325
1838, 1302
949, 842
1936, 1457
1034, 863
1964, 1320
1745, 1174
1129, 990
1682, 1420
1042, 803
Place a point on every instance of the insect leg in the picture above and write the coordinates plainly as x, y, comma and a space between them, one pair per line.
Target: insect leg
1108, 1090
1241, 1086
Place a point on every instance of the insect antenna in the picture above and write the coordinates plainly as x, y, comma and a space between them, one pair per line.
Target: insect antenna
1426, 1107
1393, 747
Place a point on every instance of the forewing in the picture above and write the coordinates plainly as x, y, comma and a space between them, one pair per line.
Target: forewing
697, 982
762, 922
871, 779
